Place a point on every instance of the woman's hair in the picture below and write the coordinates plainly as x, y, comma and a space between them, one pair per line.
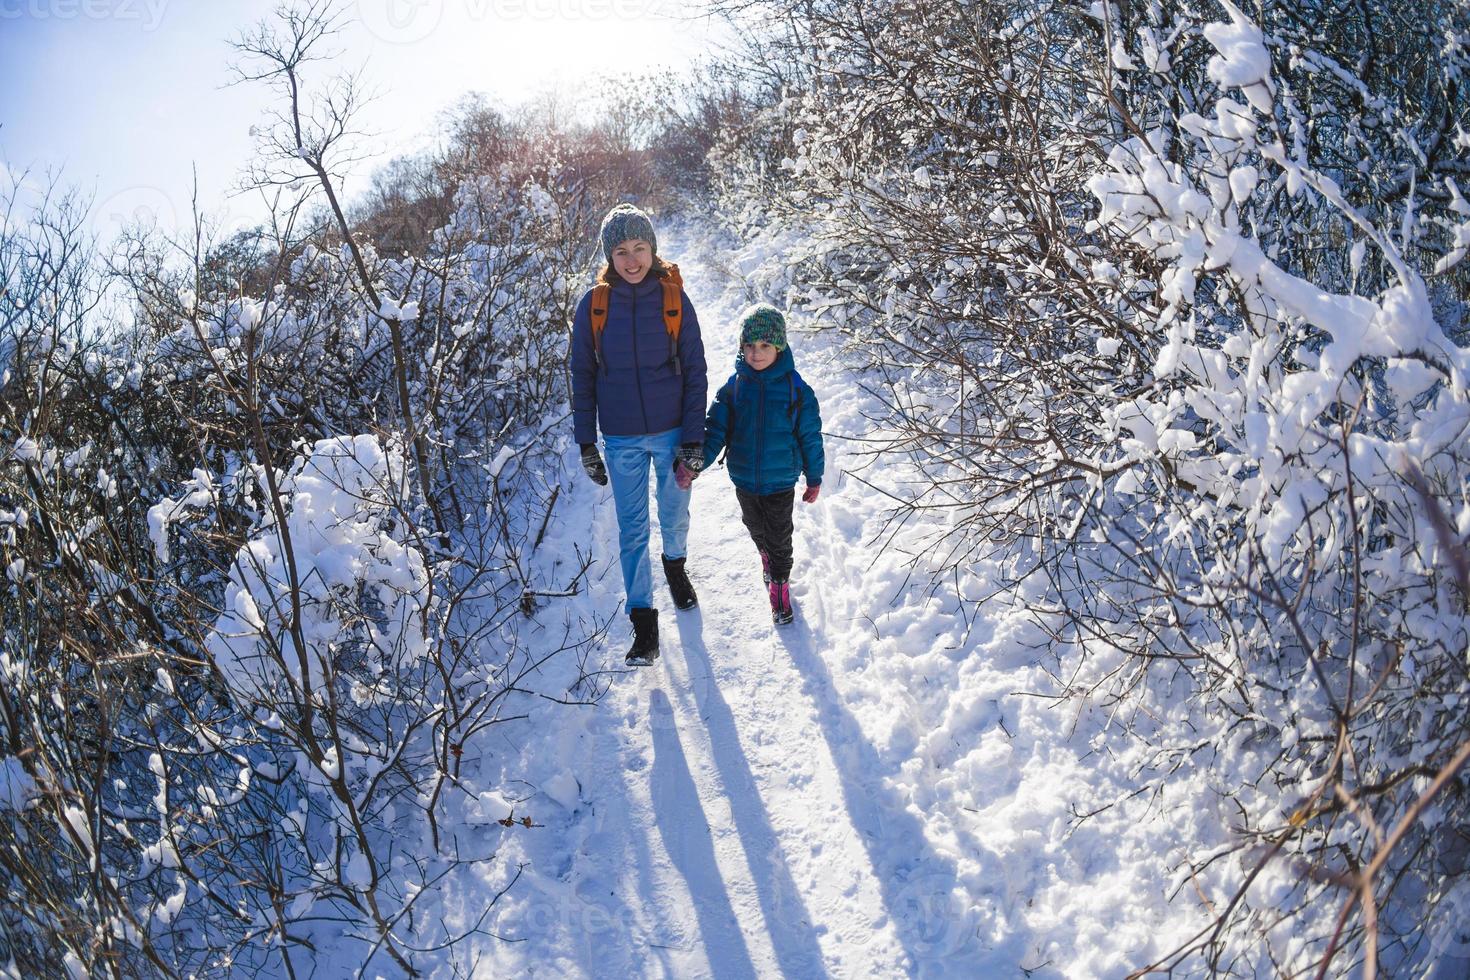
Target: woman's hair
610, 275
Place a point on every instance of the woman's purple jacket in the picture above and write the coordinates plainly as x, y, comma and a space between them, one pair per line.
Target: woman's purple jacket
637, 391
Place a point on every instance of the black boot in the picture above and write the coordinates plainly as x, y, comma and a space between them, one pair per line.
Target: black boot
645, 638
679, 585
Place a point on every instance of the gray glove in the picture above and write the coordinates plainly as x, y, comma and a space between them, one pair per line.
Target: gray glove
691, 454
593, 464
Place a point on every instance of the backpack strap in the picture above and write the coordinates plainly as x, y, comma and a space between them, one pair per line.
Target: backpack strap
673, 312
597, 310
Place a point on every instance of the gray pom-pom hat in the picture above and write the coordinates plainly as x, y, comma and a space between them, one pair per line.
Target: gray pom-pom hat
622, 223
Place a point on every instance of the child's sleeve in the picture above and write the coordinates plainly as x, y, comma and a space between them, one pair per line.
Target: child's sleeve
809, 435
717, 424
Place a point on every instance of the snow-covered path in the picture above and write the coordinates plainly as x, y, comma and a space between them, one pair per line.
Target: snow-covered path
816, 800
754, 838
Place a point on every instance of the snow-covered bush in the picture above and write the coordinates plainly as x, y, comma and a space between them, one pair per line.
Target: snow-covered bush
266, 578
1296, 463
1166, 303
293, 605
329, 645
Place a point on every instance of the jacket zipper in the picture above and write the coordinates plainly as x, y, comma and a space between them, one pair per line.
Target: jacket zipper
760, 435
637, 373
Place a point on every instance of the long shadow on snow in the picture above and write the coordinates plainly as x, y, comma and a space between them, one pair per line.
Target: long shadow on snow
937, 930
685, 832
787, 920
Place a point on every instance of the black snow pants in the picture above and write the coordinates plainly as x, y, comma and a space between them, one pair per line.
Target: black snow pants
768, 518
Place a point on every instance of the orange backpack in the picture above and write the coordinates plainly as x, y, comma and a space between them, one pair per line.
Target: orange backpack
673, 313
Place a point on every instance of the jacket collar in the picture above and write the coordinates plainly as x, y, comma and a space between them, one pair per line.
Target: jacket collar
783, 365
648, 284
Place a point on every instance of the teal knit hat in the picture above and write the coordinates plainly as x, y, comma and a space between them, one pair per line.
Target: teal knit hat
762, 321
622, 223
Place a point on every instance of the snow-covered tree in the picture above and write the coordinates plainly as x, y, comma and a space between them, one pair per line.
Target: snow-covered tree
1165, 302
270, 568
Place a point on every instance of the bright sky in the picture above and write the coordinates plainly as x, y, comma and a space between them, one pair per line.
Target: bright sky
125, 98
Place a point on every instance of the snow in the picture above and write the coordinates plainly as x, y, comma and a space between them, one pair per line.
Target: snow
489, 807
1242, 60
1154, 50
915, 778
562, 787
358, 872
166, 911
77, 821
392, 309
26, 450
505, 455
199, 492
336, 496
17, 787
867, 792
331, 764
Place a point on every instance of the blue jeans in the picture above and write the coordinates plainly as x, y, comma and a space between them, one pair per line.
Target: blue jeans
628, 459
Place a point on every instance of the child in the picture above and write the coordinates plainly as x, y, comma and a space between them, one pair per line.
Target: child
768, 418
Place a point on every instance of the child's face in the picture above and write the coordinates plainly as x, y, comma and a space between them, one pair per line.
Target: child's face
760, 355
632, 259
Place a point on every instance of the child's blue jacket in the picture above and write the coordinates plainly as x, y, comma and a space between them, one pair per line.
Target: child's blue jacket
772, 439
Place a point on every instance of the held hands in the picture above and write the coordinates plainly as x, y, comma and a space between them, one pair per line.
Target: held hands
593, 464
687, 464
809, 495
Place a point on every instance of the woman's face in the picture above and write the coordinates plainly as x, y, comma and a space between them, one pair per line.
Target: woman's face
632, 259
760, 355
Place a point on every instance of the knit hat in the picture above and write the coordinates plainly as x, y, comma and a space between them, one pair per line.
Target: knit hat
762, 321
622, 223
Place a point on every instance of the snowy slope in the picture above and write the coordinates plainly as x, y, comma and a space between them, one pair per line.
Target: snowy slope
870, 791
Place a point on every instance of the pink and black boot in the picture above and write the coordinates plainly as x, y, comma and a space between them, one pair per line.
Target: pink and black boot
780, 592
766, 567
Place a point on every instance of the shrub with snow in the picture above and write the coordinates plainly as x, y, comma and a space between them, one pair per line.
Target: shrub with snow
1164, 302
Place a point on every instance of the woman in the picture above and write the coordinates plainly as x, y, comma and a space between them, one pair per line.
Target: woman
638, 374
